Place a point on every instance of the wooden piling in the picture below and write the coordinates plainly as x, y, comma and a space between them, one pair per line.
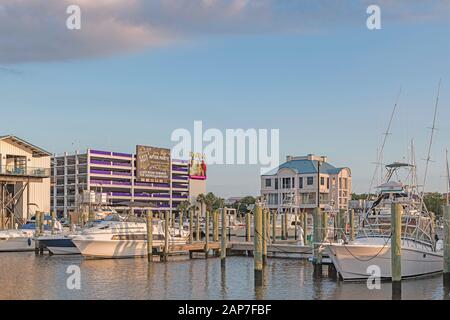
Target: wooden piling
263, 235
207, 233
324, 225
258, 242
286, 227
149, 235
274, 227
191, 225
305, 227
197, 226
223, 242
215, 226
37, 225
248, 227
41, 223
268, 227
181, 222
447, 245
396, 242
53, 222
166, 236
317, 240
283, 232
296, 226
352, 224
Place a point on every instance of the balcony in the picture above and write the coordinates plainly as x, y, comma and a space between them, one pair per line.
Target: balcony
15, 171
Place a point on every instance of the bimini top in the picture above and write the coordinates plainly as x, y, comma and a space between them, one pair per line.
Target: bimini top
398, 165
37, 152
305, 166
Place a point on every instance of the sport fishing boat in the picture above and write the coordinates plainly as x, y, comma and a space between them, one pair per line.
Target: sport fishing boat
124, 239
18, 240
62, 244
421, 252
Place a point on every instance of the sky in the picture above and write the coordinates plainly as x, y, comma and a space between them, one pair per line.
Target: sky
137, 70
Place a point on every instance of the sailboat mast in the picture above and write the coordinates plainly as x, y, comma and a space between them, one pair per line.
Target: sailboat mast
433, 129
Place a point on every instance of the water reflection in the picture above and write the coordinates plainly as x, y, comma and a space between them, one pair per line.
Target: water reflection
26, 276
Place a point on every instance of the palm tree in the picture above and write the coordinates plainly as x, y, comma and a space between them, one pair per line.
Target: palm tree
183, 207
201, 198
210, 199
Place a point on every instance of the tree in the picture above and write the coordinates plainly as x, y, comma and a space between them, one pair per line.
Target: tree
183, 207
434, 202
241, 205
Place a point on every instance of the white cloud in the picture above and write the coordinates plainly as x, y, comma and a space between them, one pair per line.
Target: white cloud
35, 30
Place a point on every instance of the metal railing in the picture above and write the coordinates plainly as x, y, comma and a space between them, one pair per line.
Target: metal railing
25, 171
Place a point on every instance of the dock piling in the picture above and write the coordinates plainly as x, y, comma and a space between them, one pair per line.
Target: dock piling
215, 226
352, 224
264, 236
197, 225
149, 235
223, 242
248, 227
191, 225
258, 242
317, 240
305, 228
396, 248
53, 222
166, 236
324, 225
207, 233
274, 227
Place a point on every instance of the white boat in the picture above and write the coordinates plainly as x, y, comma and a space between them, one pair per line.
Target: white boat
371, 249
18, 240
62, 244
124, 239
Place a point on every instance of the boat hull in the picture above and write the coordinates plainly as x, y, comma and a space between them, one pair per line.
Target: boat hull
115, 249
60, 246
357, 261
17, 244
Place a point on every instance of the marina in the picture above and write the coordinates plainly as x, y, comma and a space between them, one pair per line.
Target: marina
232, 153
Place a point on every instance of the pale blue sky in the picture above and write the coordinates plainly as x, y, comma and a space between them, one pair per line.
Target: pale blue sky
330, 90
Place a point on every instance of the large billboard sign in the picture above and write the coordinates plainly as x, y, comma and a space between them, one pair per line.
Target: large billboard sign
197, 167
153, 164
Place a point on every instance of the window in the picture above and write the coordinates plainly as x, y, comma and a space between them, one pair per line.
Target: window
273, 199
286, 183
268, 183
300, 182
310, 181
322, 181
293, 182
328, 183
276, 184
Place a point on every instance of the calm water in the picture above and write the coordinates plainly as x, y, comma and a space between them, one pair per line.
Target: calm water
25, 276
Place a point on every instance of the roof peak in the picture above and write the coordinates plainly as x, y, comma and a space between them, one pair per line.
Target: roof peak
309, 157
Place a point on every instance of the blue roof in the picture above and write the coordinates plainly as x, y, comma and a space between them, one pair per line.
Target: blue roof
305, 167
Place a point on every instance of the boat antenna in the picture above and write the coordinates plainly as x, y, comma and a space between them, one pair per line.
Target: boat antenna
433, 129
386, 134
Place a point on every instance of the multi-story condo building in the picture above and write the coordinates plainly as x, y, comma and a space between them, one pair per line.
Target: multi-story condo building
114, 174
296, 182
